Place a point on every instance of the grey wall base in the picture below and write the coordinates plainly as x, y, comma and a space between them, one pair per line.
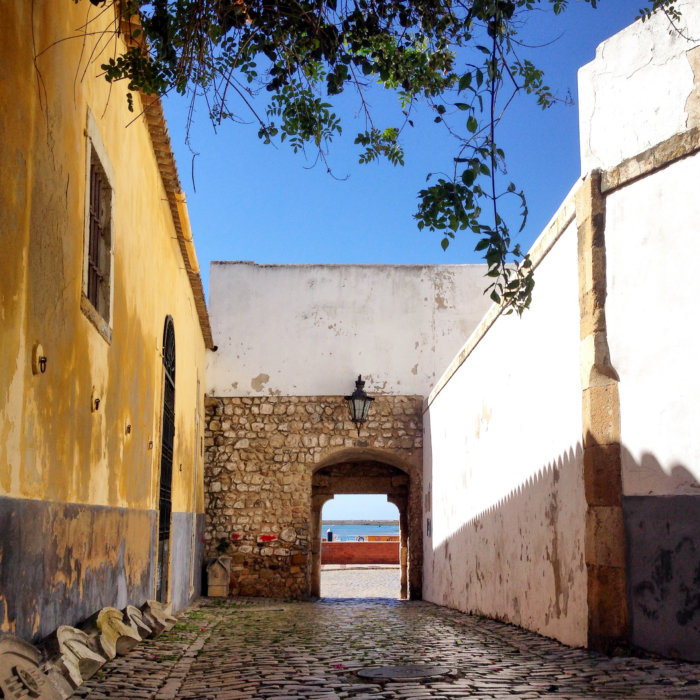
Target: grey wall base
663, 566
186, 574
62, 562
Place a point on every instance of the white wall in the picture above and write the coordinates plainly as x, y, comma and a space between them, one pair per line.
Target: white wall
654, 327
305, 330
634, 94
503, 467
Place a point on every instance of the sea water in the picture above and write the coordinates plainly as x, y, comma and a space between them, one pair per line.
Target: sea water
349, 530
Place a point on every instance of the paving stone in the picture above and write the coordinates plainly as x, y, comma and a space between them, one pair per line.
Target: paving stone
254, 648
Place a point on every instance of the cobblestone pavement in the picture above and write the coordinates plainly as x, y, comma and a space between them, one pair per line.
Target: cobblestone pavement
279, 650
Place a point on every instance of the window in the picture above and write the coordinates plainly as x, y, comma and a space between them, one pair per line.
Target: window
97, 266
99, 247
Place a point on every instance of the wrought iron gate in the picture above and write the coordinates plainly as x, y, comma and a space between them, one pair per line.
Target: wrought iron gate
166, 460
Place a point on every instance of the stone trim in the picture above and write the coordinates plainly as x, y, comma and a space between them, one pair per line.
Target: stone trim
538, 252
608, 615
654, 158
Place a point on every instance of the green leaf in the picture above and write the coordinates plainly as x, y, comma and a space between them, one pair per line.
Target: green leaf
465, 81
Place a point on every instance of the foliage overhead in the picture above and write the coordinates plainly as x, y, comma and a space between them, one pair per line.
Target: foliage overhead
458, 57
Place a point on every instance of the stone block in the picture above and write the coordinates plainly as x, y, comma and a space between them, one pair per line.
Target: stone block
602, 474
20, 672
592, 307
115, 636
608, 618
605, 536
601, 415
158, 616
73, 655
288, 534
134, 616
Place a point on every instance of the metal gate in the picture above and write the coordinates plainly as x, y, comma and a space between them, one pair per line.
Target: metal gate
166, 461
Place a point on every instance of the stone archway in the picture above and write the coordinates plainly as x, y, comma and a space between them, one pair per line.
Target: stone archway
271, 463
366, 471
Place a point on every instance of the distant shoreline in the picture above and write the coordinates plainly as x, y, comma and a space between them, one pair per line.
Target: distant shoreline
360, 522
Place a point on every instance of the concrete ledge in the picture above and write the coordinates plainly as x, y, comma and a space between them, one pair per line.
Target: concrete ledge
659, 156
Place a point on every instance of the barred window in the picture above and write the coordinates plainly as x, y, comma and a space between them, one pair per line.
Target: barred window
98, 237
99, 244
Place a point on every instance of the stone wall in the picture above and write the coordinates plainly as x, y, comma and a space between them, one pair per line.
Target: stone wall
261, 453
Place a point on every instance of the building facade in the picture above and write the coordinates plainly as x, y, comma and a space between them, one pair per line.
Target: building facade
103, 335
564, 491
560, 477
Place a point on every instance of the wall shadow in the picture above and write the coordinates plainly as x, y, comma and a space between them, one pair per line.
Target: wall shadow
662, 534
522, 560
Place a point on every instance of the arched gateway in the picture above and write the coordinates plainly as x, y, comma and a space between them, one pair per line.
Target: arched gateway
271, 463
371, 471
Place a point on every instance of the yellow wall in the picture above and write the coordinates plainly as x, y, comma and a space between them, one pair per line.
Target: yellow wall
52, 446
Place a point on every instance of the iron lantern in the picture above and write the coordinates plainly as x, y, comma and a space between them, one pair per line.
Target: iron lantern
359, 403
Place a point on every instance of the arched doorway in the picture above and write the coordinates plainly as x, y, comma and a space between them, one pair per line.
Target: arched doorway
361, 558
364, 471
166, 462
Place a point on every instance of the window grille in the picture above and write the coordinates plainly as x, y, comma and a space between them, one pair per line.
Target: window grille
99, 239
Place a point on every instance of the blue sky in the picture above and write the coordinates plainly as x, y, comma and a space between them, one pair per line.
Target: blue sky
251, 201
359, 507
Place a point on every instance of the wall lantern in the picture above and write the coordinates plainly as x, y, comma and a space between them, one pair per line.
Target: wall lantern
359, 404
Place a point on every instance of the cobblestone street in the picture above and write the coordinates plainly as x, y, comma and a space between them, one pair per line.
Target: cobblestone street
245, 648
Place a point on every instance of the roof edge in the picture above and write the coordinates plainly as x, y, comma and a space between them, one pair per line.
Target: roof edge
163, 152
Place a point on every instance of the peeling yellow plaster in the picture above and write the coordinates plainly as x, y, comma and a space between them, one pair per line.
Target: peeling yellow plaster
52, 444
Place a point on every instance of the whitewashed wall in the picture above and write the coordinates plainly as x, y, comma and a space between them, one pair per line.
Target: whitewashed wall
642, 90
309, 330
652, 244
503, 467
636, 91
